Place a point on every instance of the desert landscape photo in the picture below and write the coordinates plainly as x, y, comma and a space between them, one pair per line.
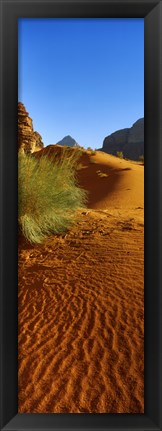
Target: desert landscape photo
81, 230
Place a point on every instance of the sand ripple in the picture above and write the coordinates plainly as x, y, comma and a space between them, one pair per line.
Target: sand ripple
81, 326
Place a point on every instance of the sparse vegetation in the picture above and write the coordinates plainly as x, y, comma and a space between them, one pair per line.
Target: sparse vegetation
80, 166
80, 152
101, 174
120, 154
92, 160
141, 159
48, 195
93, 152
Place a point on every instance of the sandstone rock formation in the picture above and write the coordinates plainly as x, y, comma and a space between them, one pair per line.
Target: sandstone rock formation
130, 141
28, 140
69, 141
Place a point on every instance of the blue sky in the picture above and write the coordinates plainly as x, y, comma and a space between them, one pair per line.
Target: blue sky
81, 77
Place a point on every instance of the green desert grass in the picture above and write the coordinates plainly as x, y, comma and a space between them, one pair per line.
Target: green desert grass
81, 166
92, 152
92, 160
141, 159
48, 195
120, 154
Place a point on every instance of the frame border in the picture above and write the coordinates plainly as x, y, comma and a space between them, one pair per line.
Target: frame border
151, 11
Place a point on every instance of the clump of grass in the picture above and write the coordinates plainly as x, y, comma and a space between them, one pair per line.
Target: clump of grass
119, 154
141, 159
80, 152
101, 174
48, 195
92, 161
93, 152
80, 166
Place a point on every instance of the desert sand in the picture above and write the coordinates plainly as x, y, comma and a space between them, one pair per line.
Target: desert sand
81, 301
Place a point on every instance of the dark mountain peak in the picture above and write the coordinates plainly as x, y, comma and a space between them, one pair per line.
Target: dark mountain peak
69, 141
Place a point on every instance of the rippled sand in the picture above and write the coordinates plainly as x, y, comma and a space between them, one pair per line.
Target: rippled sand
81, 317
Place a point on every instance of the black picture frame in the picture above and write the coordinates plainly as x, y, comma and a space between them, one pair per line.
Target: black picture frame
151, 11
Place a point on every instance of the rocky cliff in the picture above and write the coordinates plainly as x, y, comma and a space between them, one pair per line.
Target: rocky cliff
130, 141
28, 140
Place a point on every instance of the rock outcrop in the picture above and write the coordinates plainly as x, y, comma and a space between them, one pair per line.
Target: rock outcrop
68, 141
129, 141
28, 140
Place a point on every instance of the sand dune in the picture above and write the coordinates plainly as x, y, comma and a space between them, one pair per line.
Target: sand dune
81, 302
123, 183
122, 187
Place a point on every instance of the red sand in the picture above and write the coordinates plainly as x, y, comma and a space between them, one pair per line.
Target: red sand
81, 301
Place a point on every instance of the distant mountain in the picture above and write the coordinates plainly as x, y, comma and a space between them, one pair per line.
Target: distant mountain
129, 141
69, 141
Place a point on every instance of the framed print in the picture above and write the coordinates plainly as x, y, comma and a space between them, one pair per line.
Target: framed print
80, 337
81, 215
